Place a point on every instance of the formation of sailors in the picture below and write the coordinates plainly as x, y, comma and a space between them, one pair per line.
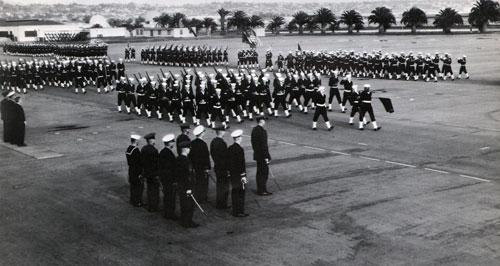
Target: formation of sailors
22, 75
99, 50
238, 94
402, 66
187, 56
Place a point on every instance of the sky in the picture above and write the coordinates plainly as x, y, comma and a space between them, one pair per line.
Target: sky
165, 2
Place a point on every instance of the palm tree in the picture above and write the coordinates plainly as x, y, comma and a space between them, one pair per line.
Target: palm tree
301, 18
256, 21
240, 20
209, 25
291, 26
351, 18
275, 24
163, 20
383, 17
324, 16
223, 13
177, 19
482, 12
447, 18
311, 25
414, 17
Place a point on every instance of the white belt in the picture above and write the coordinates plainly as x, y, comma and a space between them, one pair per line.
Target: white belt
320, 105
367, 101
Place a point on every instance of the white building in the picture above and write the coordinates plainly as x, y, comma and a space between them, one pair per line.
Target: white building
30, 30
109, 32
163, 32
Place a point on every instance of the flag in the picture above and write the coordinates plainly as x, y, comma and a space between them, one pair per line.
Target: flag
255, 38
298, 47
245, 39
192, 31
387, 104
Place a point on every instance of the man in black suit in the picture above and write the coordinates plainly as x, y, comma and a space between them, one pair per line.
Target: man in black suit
218, 150
166, 165
261, 155
149, 158
200, 159
237, 170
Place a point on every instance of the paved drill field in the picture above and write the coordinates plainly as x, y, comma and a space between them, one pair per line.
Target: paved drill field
425, 190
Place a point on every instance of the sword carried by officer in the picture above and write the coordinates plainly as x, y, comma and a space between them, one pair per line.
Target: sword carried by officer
195, 201
274, 179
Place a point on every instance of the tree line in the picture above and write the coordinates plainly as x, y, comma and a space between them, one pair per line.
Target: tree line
482, 13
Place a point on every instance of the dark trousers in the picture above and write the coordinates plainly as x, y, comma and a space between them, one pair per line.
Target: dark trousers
17, 132
169, 194
334, 92
153, 194
7, 127
187, 209
201, 189
222, 189
262, 175
320, 111
238, 199
136, 188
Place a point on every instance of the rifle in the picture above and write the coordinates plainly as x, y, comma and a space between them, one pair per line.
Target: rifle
137, 78
147, 76
158, 76
128, 81
185, 72
163, 74
171, 74
139, 75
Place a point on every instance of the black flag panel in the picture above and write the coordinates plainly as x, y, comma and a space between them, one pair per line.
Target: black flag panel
387, 104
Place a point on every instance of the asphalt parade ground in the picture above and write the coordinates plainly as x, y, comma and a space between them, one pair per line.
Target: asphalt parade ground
425, 190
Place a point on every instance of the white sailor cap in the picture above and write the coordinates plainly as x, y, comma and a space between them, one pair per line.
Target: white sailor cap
131, 79
366, 86
321, 88
237, 133
217, 89
168, 138
355, 87
135, 136
278, 75
198, 130
219, 69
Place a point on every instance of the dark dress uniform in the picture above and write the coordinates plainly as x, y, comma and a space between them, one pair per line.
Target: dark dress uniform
218, 150
150, 165
237, 170
6, 110
200, 159
186, 180
260, 154
18, 124
134, 171
181, 138
167, 164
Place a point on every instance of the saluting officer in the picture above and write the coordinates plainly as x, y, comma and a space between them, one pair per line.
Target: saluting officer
135, 170
185, 178
200, 159
167, 164
237, 170
149, 156
218, 150
261, 155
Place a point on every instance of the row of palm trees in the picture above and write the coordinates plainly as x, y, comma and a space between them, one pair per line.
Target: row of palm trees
482, 13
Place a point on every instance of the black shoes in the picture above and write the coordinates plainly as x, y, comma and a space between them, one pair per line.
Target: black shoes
265, 193
223, 207
241, 215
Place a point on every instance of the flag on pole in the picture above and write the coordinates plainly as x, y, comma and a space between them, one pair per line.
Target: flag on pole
387, 104
246, 39
255, 38
192, 31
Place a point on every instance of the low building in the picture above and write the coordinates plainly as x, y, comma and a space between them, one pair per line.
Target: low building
109, 32
29, 30
163, 32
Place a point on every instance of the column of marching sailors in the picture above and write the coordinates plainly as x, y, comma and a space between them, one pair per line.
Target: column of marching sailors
186, 176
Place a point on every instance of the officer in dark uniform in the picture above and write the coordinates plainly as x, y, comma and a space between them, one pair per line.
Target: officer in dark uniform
184, 136
149, 156
167, 164
218, 150
261, 155
185, 178
200, 159
237, 170
6, 111
135, 170
18, 123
